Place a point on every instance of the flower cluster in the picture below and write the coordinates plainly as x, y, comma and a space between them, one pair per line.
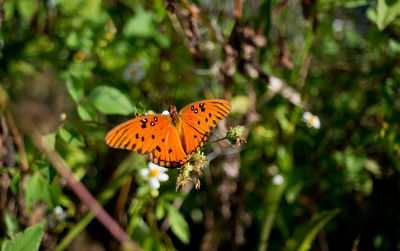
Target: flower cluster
191, 171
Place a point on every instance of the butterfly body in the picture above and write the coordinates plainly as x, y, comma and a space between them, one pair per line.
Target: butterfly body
169, 140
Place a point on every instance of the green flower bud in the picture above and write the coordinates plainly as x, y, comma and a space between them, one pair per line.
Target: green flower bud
234, 136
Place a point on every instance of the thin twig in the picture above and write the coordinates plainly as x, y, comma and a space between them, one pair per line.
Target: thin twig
202, 20
123, 197
215, 141
18, 139
279, 7
1, 12
238, 9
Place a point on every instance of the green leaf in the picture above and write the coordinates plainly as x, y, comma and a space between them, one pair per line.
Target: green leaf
27, 9
28, 240
50, 141
273, 197
304, 235
110, 100
71, 137
46, 170
15, 182
140, 25
10, 224
325, 4
179, 225
37, 188
87, 112
9, 9
385, 12
75, 87
160, 210
284, 159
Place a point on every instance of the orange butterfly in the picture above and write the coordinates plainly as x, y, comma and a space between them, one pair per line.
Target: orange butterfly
170, 139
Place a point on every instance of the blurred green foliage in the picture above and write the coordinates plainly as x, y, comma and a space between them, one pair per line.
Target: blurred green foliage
75, 68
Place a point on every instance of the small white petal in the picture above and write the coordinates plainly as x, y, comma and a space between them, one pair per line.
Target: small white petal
152, 166
162, 177
144, 172
165, 112
154, 183
316, 123
161, 169
307, 116
58, 210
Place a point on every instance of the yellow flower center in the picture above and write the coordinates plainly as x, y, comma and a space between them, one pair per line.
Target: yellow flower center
153, 173
311, 120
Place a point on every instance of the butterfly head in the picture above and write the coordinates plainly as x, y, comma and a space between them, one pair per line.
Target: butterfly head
173, 112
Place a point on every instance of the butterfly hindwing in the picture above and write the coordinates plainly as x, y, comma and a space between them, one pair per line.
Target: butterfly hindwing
199, 118
169, 152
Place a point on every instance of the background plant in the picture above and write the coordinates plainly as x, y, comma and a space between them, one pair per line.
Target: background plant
314, 83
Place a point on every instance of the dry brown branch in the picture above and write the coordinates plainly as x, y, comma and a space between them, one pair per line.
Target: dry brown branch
197, 15
18, 139
238, 8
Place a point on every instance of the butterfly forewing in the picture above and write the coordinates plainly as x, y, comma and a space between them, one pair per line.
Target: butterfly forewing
199, 118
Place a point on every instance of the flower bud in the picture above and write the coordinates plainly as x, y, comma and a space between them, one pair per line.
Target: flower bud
234, 136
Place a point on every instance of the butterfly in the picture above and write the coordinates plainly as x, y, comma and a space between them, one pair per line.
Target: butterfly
169, 140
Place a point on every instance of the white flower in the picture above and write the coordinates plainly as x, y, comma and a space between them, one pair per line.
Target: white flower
134, 71
165, 112
156, 174
277, 179
56, 216
311, 120
338, 25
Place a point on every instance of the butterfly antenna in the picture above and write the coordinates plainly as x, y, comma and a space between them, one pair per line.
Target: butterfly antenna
176, 89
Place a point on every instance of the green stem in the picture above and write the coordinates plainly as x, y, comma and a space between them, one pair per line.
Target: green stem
77, 229
274, 196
